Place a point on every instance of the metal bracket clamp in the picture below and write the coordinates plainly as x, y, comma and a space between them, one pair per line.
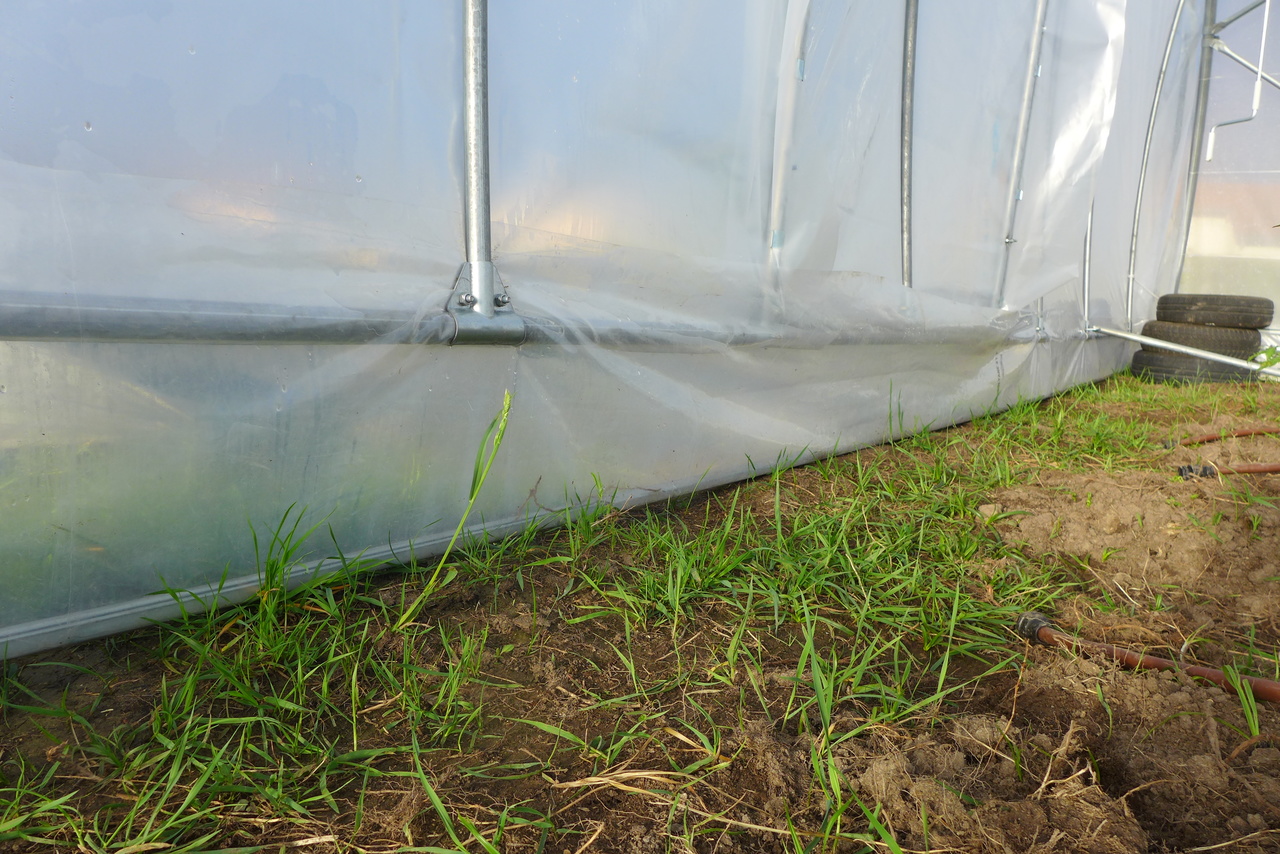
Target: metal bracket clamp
487, 317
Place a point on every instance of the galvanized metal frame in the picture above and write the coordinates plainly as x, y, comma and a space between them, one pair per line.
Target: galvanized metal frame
1221, 47
911, 26
479, 310
1020, 148
84, 318
479, 305
790, 76
1146, 157
1226, 22
1197, 133
476, 147
1257, 84
1086, 268
1188, 351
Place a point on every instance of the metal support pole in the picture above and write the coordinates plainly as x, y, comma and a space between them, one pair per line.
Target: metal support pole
908, 113
479, 298
1086, 269
479, 305
1146, 156
1197, 133
1020, 147
790, 76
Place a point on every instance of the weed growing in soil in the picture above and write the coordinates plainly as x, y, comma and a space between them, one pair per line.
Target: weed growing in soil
817, 660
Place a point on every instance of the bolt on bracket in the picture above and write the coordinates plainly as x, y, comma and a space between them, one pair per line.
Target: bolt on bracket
481, 308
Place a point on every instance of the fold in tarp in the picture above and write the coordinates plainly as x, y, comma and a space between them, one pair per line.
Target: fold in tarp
230, 234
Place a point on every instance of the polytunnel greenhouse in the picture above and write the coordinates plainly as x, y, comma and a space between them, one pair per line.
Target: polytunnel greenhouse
261, 256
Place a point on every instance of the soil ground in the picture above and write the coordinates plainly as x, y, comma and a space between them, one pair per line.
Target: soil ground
1066, 753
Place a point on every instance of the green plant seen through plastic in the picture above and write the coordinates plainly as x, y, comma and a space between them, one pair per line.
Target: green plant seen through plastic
485, 455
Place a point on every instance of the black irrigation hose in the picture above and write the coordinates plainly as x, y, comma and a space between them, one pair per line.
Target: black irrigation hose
1038, 628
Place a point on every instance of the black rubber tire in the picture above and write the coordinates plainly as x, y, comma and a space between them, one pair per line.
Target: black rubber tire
1238, 312
1161, 367
1239, 343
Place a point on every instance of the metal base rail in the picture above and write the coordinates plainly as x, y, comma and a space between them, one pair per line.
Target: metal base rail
53, 317
47, 317
1273, 372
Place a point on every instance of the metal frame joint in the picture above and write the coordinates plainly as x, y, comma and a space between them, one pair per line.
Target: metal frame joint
481, 311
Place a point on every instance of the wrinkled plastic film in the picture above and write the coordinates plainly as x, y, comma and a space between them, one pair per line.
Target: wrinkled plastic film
237, 152
695, 209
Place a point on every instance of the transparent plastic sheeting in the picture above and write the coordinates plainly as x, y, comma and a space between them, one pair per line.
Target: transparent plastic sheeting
1234, 246
703, 201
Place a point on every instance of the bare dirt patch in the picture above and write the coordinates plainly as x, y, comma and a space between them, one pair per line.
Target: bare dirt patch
1185, 568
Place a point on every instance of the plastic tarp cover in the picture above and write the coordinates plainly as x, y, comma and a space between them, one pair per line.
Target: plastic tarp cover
1139, 238
700, 205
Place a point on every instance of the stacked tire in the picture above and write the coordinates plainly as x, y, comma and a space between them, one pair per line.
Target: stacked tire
1218, 323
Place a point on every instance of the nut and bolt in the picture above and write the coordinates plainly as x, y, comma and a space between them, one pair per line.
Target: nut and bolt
468, 300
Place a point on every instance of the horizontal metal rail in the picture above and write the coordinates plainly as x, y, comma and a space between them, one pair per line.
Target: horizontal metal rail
103, 318
690, 338
48, 317
1188, 351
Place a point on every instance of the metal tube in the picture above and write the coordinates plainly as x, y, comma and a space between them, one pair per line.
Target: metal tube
55, 317
910, 28
1188, 351
790, 76
476, 130
1086, 272
690, 338
1146, 156
1197, 135
1020, 147
1222, 25
1257, 85
50, 317
1221, 47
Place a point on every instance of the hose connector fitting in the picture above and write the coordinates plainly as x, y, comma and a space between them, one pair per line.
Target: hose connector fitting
1030, 624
